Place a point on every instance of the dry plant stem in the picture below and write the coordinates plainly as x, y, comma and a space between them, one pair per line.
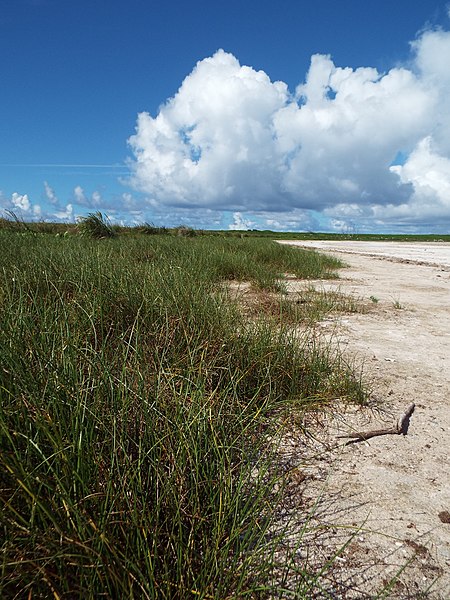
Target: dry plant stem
400, 428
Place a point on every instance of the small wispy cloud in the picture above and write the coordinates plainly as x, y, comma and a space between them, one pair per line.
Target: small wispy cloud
50, 193
80, 197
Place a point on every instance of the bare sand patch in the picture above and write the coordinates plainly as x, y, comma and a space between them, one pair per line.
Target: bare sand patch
394, 490
435, 253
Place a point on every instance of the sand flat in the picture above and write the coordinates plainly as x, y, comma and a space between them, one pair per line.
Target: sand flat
396, 488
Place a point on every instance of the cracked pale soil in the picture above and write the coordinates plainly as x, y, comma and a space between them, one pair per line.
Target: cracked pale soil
388, 499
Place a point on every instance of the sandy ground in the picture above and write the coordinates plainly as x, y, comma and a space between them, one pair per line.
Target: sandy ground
393, 491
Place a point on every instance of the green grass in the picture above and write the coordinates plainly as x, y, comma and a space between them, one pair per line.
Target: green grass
96, 222
96, 225
367, 237
140, 412
305, 307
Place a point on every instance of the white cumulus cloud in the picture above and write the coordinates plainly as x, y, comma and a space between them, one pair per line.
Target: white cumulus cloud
65, 214
20, 204
429, 174
231, 139
212, 144
240, 223
21, 201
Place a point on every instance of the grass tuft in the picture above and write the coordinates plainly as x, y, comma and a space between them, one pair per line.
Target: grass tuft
138, 415
96, 226
151, 229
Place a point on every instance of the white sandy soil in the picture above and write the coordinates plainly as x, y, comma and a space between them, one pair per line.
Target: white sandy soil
394, 489
436, 253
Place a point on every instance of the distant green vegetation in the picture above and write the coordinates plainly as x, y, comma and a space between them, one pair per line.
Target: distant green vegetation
140, 413
95, 220
363, 237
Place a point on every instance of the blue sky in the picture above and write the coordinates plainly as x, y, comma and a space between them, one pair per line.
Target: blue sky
285, 115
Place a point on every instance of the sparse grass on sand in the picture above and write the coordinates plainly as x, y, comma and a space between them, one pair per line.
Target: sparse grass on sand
137, 405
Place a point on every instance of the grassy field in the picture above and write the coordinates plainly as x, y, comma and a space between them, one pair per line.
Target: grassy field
140, 412
97, 220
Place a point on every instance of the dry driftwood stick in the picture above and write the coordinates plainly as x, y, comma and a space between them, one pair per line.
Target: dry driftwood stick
403, 421
400, 428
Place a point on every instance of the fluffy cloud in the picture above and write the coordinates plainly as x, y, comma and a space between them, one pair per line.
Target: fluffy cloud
429, 174
346, 130
21, 201
27, 210
212, 144
20, 204
240, 223
65, 215
231, 139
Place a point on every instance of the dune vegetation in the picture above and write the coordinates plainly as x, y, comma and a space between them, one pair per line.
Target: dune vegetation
139, 414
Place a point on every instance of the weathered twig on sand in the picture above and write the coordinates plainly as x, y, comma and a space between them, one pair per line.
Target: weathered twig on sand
400, 428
